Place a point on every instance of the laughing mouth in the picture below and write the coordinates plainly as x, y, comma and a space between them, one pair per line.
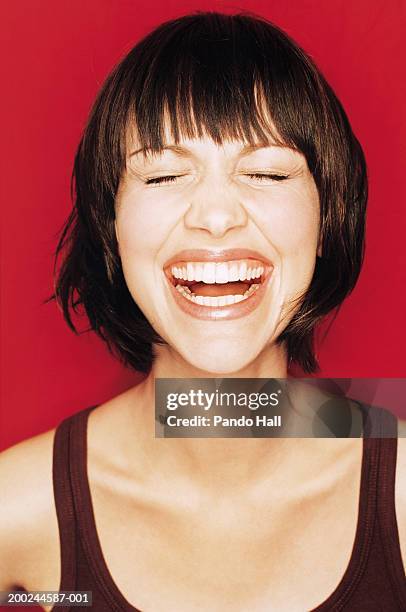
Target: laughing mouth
217, 284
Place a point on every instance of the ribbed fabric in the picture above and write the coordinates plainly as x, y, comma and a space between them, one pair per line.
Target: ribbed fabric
374, 580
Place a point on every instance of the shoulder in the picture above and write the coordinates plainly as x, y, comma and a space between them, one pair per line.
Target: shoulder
400, 488
27, 511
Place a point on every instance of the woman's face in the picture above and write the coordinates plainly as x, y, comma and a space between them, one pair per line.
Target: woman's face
216, 242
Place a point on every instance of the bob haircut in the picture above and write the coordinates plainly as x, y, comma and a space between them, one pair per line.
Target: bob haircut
228, 77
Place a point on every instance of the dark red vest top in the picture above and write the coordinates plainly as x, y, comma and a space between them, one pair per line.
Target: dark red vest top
373, 581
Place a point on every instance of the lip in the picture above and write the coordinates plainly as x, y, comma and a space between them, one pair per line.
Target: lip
216, 313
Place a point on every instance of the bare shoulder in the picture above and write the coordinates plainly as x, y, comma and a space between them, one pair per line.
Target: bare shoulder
29, 532
400, 488
28, 524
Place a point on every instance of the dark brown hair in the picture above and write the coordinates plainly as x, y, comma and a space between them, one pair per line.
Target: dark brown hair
224, 76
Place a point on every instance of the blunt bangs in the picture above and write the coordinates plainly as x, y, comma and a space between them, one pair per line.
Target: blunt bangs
229, 77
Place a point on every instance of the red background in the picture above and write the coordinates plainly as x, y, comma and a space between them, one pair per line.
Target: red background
57, 55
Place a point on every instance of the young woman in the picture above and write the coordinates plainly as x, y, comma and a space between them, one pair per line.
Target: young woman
219, 214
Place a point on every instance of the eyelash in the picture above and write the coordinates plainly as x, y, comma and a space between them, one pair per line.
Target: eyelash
159, 180
264, 175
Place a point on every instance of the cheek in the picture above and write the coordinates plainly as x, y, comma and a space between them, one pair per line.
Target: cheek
138, 240
136, 236
142, 225
298, 235
290, 221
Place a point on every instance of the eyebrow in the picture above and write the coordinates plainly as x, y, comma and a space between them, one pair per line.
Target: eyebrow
184, 152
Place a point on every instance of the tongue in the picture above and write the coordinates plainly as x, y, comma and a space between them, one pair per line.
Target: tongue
215, 289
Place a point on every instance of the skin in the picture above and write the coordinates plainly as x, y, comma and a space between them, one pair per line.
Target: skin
210, 524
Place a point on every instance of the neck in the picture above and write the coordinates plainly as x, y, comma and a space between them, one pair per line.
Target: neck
212, 462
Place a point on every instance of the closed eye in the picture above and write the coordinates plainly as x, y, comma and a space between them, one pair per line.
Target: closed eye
158, 180
262, 176
258, 176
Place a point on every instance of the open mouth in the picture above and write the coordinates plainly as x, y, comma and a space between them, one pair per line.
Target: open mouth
217, 284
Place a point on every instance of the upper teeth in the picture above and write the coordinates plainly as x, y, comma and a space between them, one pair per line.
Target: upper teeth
224, 272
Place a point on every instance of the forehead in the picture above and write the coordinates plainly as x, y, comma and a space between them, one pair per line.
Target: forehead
200, 148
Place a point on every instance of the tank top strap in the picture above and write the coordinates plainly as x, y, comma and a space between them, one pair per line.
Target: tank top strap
378, 422
67, 450
386, 514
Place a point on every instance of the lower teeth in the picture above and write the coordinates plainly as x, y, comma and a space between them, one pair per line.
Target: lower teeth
222, 300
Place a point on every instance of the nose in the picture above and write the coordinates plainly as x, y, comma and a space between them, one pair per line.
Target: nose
215, 208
